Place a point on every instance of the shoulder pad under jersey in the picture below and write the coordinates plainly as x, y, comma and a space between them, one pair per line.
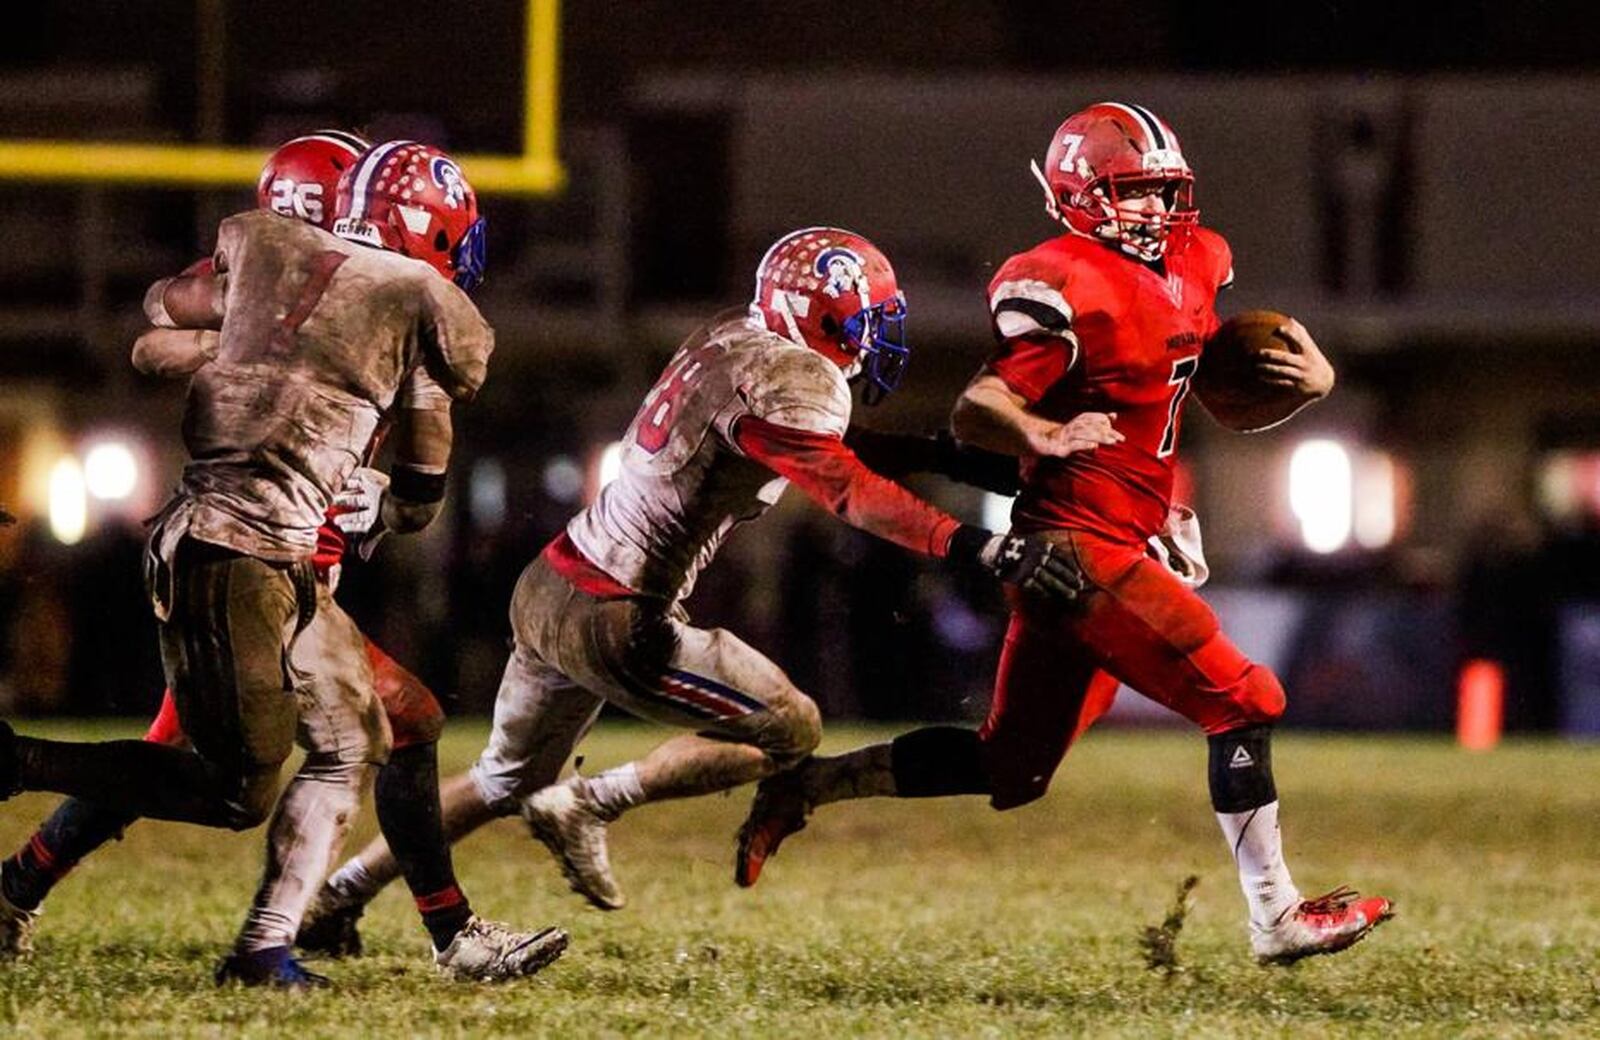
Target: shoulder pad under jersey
1027, 297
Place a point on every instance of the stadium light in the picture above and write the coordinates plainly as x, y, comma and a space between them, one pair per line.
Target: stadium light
110, 471
486, 494
1321, 493
69, 501
1376, 482
563, 479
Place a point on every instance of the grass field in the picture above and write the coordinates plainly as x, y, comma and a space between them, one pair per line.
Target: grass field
912, 918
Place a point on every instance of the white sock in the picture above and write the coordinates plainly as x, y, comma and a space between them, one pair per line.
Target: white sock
616, 790
1258, 851
352, 882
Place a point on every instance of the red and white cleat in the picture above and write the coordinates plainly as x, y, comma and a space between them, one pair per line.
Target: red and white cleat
1326, 924
778, 810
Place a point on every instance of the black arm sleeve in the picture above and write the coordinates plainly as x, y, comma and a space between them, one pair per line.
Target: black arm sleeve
896, 455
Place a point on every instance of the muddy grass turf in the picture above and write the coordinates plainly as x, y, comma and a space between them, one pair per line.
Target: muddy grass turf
929, 918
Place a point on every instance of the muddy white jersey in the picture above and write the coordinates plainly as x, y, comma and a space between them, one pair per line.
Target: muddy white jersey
319, 338
684, 483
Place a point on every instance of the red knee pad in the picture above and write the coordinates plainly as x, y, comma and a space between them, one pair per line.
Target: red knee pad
415, 716
1260, 695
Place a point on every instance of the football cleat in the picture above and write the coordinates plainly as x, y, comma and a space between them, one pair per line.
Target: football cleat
331, 926
1327, 924
16, 929
274, 966
487, 951
574, 828
778, 810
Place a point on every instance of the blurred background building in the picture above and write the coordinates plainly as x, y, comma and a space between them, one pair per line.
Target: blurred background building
1415, 183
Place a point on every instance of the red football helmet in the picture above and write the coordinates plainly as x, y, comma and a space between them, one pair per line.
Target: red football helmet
1104, 159
834, 291
413, 199
301, 178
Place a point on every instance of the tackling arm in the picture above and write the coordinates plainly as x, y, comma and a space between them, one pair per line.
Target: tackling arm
896, 455
831, 475
422, 438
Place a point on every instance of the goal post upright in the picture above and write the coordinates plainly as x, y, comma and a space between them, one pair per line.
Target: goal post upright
536, 171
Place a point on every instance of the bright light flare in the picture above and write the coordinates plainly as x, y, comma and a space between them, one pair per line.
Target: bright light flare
69, 501
1321, 493
1376, 509
110, 471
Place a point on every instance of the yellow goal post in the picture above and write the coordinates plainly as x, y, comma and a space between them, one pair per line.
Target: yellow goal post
536, 171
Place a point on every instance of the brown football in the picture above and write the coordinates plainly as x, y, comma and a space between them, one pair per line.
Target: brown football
1228, 383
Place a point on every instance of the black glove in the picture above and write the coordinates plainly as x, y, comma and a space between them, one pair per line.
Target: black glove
1027, 561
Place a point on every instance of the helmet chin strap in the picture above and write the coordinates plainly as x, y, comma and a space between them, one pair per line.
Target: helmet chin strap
1051, 205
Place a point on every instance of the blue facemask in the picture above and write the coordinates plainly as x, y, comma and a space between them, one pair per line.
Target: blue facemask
879, 337
471, 256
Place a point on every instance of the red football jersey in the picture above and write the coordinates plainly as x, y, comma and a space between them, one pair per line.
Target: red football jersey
1085, 328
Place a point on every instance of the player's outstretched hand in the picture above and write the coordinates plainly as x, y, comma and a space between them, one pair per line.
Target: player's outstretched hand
1083, 432
355, 508
1304, 369
1027, 561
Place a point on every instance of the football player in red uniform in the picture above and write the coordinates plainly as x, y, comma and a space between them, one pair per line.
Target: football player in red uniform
1100, 331
300, 180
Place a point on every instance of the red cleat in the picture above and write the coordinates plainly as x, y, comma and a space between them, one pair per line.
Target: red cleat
778, 810
1326, 924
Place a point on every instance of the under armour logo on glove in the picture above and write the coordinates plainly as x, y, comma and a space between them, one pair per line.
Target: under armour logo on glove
1031, 563
1027, 561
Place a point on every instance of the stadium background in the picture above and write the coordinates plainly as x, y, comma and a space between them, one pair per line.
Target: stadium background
1418, 188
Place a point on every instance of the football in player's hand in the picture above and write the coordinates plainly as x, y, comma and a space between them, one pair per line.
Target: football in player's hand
1230, 382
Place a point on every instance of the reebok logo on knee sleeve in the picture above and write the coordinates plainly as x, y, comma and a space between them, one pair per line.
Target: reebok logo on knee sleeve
1241, 769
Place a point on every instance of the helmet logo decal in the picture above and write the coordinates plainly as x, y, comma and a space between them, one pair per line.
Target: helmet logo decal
447, 176
416, 219
1070, 159
1163, 159
841, 271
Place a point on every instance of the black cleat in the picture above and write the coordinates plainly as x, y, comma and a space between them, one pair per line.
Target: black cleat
330, 929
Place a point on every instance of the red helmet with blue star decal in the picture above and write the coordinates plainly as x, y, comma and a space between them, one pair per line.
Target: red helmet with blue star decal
301, 178
1116, 172
413, 199
833, 291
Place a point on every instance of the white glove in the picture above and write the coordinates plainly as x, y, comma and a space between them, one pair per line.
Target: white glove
355, 509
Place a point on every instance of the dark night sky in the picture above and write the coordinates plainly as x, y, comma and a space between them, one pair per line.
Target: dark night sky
436, 59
